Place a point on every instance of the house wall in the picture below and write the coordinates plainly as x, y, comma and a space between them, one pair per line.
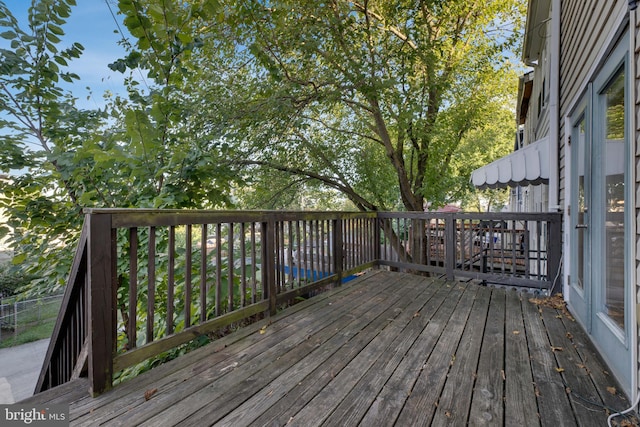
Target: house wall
535, 198
589, 29
580, 53
537, 124
636, 139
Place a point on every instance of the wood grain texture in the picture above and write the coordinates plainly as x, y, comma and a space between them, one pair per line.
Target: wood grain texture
520, 393
385, 349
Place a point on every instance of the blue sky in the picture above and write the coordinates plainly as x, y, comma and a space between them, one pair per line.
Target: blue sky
92, 25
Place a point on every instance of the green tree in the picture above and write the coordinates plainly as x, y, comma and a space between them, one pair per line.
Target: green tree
42, 131
376, 99
142, 151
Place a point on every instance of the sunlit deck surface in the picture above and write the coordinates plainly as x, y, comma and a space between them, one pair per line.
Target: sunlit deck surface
386, 349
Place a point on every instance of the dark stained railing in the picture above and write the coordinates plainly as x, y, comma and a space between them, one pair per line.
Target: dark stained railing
517, 249
147, 281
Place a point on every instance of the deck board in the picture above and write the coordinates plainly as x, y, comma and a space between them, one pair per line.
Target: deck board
555, 408
390, 401
574, 375
453, 404
387, 349
422, 402
520, 394
487, 406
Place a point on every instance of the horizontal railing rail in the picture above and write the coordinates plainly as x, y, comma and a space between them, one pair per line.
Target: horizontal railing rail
516, 249
147, 281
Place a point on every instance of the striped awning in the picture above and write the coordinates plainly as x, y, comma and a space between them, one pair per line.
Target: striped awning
526, 166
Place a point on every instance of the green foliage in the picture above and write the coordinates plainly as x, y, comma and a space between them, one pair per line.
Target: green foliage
298, 104
374, 100
164, 357
11, 280
43, 132
136, 152
39, 331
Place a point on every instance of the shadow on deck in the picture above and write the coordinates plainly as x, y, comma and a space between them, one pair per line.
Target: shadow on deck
389, 348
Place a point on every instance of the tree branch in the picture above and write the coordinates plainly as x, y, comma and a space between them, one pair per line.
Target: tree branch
362, 203
394, 30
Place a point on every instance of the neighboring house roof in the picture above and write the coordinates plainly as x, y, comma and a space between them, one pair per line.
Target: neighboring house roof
536, 30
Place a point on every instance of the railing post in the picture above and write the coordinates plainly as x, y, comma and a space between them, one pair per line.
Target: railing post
450, 244
269, 267
337, 249
377, 228
554, 248
101, 301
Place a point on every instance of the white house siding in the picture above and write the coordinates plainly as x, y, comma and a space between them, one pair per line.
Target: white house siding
535, 198
637, 163
588, 29
537, 125
537, 120
580, 49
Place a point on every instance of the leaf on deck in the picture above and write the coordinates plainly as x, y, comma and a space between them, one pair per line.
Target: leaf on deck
149, 393
555, 302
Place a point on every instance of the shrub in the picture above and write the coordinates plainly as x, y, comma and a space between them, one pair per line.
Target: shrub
11, 280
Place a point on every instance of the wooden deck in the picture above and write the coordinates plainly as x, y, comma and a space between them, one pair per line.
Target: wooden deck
386, 349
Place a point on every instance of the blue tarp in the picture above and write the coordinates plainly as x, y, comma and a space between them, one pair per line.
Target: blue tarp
313, 275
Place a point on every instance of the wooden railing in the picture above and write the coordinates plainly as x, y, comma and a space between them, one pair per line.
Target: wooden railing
517, 249
147, 281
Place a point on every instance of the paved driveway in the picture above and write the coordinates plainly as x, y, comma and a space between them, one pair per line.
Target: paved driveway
19, 370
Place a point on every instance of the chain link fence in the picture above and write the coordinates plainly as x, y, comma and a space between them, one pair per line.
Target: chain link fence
18, 316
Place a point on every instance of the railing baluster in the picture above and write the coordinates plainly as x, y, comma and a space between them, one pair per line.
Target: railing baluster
289, 257
311, 250
187, 275
527, 253
267, 237
502, 247
151, 289
203, 273
230, 262
305, 251
279, 258
337, 250
171, 279
133, 288
450, 245
323, 243
539, 247
254, 270
515, 246
360, 241
243, 264
298, 254
218, 290
318, 250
